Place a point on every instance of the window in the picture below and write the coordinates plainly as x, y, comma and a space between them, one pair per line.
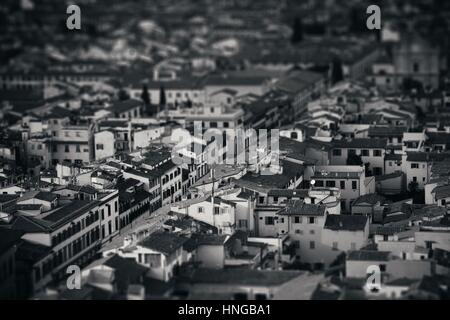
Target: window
414, 166
152, 260
66, 148
297, 220
415, 179
311, 220
331, 184
351, 152
390, 163
337, 152
200, 210
269, 221
240, 296
242, 224
312, 245
78, 148
216, 210
99, 146
382, 267
377, 153
416, 67
298, 231
319, 183
260, 296
364, 152
312, 232
294, 135
342, 184
226, 124
335, 245
261, 199
354, 185
343, 205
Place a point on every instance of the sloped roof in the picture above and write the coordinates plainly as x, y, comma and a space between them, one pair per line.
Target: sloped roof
361, 143
298, 207
345, 223
442, 192
166, 243
368, 255
371, 198
126, 105
8, 238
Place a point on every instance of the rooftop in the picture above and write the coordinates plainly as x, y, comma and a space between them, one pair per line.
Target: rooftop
368, 255
361, 143
345, 223
372, 199
166, 243
68, 212
8, 238
126, 105
298, 207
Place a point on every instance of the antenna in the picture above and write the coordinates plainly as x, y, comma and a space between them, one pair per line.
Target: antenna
212, 196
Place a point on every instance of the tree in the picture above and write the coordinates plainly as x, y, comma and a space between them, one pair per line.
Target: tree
297, 31
337, 74
354, 160
162, 96
413, 186
146, 98
189, 103
123, 95
410, 84
162, 99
